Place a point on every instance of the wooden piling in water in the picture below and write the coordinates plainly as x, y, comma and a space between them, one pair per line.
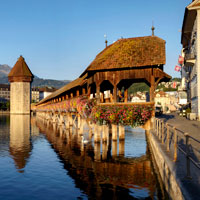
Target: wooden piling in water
114, 132
114, 148
105, 133
97, 134
121, 147
121, 132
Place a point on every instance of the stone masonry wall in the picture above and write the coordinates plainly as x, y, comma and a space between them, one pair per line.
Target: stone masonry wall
20, 98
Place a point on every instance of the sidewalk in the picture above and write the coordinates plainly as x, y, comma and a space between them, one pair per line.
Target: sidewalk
183, 124
173, 174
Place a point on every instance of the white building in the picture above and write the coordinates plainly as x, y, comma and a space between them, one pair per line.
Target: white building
45, 91
190, 40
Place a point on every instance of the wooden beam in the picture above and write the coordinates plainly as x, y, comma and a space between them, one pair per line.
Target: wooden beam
115, 93
89, 91
152, 89
98, 93
83, 91
102, 97
77, 93
126, 95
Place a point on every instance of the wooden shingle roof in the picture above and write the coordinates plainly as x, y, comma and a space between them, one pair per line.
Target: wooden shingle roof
130, 52
75, 83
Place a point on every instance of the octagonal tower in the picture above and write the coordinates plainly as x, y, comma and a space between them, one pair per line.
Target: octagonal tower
20, 78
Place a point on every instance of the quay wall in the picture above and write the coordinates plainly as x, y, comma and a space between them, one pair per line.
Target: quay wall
166, 168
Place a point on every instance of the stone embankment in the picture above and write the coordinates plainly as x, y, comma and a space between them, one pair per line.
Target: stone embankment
173, 158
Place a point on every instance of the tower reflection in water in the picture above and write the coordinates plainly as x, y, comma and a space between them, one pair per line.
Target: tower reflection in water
20, 145
101, 169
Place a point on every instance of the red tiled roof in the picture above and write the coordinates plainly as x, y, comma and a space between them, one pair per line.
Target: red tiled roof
161, 93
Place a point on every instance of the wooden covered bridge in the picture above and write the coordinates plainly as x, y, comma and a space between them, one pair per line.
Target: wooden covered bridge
116, 68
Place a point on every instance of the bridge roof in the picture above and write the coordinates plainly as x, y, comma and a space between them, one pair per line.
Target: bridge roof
75, 83
130, 52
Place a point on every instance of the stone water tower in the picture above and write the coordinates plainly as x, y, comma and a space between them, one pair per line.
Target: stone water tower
20, 78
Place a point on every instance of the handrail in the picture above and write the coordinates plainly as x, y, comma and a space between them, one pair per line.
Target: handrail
162, 130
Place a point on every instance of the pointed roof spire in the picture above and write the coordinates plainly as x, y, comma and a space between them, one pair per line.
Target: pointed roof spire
152, 28
106, 41
20, 70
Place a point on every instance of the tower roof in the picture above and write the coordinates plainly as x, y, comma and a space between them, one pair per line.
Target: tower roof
20, 72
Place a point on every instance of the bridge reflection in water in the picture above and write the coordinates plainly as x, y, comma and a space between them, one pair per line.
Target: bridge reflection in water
99, 169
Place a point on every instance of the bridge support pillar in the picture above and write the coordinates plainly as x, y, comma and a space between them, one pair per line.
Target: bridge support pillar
82, 124
121, 132
79, 121
121, 147
97, 134
70, 118
105, 133
46, 115
49, 116
114, 148
104, 151
54, 127
97, 151
67, 121
114, 132
60, 120
54, 118
61, 131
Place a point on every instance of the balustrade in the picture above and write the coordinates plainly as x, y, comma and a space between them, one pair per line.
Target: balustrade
176, 140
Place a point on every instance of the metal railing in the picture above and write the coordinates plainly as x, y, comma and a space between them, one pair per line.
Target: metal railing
174, 140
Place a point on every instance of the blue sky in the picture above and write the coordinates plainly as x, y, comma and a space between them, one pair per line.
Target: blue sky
60, 38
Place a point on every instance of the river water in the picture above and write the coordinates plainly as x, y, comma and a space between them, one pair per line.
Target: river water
40, 160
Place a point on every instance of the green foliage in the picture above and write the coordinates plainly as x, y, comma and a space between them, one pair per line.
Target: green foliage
176, 79
188, 110
5, 105
169, 89
135, 87
165, 89
39, 82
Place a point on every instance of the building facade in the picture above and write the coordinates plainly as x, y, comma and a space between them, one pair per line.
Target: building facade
45, 92
190, 40
4, 92
35, 95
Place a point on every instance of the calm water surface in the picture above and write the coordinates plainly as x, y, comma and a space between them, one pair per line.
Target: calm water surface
39, 160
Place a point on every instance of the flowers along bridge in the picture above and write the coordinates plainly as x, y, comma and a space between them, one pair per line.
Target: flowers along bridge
95, 97
80, 111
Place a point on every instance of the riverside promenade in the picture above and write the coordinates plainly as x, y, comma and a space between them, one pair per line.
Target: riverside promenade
186, 125
179, 173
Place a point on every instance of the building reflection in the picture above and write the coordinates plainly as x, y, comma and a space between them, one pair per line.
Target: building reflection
20, 145
97, 169
4, 134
